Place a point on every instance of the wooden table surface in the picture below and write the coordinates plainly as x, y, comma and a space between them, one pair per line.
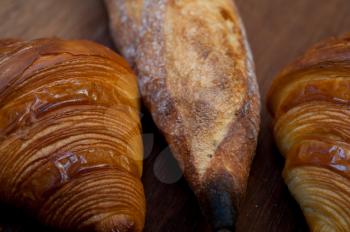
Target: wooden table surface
278, 31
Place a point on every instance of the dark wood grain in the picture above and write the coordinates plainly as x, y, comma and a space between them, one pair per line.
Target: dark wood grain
278, 30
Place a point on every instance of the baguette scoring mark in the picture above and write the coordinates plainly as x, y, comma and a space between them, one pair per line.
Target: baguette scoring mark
210, 88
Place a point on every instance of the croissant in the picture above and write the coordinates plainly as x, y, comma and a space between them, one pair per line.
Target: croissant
196, 77
70, 143
309, 101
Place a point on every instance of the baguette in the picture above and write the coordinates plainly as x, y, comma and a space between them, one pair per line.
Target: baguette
196, 77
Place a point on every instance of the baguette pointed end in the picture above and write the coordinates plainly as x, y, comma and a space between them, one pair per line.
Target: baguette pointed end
221, 210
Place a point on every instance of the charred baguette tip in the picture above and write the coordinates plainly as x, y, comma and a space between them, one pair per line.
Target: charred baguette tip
221, 210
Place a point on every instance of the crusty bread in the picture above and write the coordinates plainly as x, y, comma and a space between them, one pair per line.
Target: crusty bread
196, 77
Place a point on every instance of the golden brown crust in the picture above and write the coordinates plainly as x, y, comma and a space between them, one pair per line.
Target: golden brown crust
329, 57
70, 143
196, 77
310, 104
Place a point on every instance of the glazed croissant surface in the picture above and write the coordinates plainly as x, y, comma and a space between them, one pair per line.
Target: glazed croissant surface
70, 143
310, 102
